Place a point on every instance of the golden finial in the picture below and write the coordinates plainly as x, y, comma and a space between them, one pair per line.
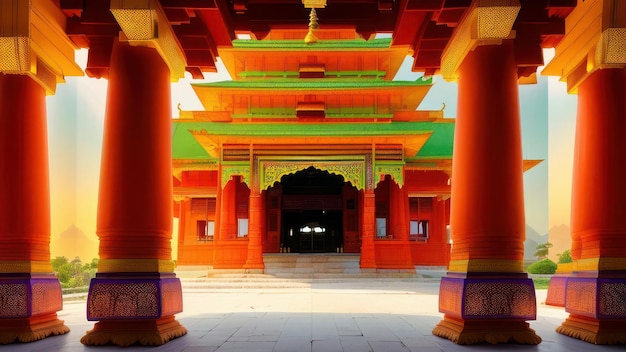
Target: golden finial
313, 25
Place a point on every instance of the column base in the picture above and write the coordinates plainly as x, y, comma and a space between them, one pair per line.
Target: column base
151, 332
28, 307
368, 258
134, 308
599, 332
254, 268
492, 331
484, 307
596, 307
556, 291
31, 329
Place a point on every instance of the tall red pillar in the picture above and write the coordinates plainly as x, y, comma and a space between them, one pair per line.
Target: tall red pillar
135, 293
368, 228
255, 231
399, 220
486, 296
595, 294
30, 294
227, 225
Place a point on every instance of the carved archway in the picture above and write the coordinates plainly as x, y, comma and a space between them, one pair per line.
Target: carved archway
353, 171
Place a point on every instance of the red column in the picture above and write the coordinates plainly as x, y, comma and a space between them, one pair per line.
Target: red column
222, 256
594, 294
135, 294
255, 245
368, 228
486, 296
398, 214
30, 294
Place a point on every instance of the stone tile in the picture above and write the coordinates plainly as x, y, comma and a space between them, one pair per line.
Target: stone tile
327, 345
388, 346
264, 338
293, 343
354, 344
246, 347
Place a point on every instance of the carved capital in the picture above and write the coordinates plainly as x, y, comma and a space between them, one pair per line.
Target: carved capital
487, 22
33, 42
144, 23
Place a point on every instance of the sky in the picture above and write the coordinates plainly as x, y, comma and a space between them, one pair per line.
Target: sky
75, 126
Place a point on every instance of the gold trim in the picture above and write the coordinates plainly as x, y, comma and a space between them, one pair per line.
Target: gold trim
486, 265
25, 266
564, 268
145, 24
599, 264
486, 23
135, 265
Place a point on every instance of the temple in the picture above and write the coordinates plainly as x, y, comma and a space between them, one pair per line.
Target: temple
313, 148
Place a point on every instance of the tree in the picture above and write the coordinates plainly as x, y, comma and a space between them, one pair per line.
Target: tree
542, 250
74, 273
565, 257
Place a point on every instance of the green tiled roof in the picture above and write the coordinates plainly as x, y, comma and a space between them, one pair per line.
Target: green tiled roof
321, 84
184, 145
438, 145
320, 45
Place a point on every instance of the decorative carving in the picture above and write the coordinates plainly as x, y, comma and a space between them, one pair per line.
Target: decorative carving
133, 298
369, 177
612, 300
451, 297
14, 300
229, 170
24, 298
596, 298
487, 22
353, 171
556, 291
147, 25
395, 170
488, 298
500, 298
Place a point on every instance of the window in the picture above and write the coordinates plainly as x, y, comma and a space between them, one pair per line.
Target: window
419, 230
205, 229
381, 227
242, 227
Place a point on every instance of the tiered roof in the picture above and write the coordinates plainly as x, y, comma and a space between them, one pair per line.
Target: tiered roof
332, 95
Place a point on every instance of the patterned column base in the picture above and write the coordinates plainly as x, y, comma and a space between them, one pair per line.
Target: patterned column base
556, 291
134, 310
28, 306
492, 331
152, 332
31, 329
599, 332
597, 308
487, 309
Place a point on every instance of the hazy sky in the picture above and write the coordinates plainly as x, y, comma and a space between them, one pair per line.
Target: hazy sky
75, 123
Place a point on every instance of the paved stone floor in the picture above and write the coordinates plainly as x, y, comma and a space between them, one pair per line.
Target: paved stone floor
385, 315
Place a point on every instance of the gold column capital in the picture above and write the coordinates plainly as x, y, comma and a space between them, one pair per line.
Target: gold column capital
595, 38
33, 42
144, 23
486, 22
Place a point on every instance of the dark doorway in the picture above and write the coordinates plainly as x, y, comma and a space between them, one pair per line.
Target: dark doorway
312, 212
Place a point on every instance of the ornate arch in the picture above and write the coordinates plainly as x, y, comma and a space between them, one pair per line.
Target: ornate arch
394, 169
236, 169
352, 171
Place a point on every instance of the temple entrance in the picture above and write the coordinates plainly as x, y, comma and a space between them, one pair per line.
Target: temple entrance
312, 212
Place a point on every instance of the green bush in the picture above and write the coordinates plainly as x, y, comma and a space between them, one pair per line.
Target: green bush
565, 257
545, 266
